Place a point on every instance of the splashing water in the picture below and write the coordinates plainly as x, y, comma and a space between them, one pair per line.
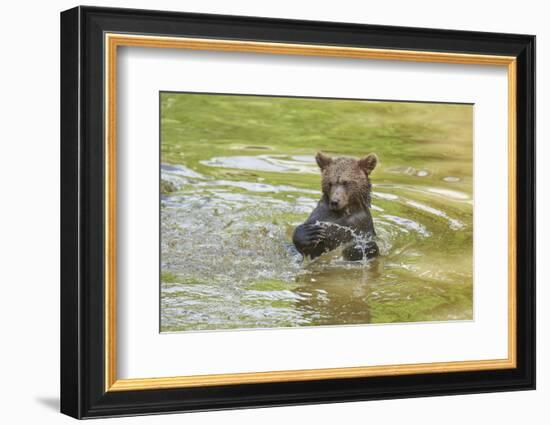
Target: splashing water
361, 241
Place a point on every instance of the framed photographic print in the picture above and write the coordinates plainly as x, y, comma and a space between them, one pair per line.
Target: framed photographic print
261, 212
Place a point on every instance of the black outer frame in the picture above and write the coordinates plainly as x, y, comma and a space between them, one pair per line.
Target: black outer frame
82, 215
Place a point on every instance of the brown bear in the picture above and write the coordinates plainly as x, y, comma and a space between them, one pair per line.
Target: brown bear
342, 216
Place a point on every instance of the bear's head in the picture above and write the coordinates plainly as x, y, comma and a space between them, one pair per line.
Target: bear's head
346, 184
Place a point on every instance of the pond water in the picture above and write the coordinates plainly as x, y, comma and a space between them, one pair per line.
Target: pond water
238, 174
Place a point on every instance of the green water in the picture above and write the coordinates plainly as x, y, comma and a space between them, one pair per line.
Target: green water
238, 174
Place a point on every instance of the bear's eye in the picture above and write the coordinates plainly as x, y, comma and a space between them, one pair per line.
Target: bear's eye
345, 183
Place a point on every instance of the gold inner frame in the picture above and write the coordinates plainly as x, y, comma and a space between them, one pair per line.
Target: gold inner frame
113, 41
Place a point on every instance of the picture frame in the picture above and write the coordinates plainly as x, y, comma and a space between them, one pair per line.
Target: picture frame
91, 37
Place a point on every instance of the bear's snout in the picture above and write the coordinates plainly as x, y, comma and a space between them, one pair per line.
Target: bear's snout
338, 198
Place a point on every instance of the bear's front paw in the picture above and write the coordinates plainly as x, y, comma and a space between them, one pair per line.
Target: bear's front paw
314, 234
309, 235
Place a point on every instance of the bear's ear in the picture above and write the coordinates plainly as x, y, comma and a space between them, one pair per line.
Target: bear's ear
368, 163
323, 161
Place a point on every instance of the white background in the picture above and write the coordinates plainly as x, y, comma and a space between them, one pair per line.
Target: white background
29, 225
145, 72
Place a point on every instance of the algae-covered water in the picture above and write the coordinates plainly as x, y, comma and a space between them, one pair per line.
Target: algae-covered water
238, 174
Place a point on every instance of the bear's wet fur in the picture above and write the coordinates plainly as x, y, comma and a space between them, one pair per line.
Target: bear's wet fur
342, 216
